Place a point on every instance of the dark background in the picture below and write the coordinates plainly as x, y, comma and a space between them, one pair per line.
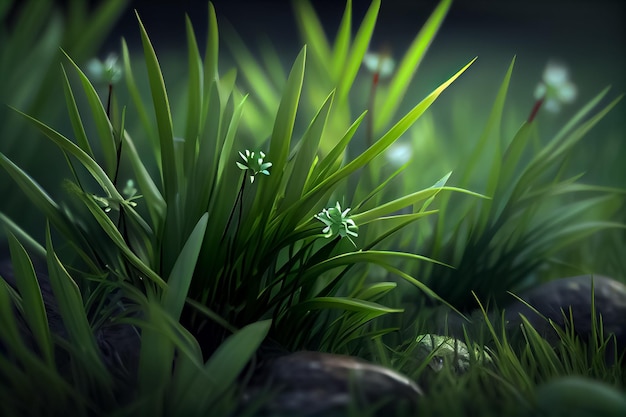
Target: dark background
588, 35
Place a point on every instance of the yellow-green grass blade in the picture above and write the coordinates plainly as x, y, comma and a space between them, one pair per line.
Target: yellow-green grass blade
252, 72
566, 138
358, 50
380, 188
402, 202
408, 66
342, 41
326, 165
327, 183
513, 153
375, 291
393, 224
312, 33
391, 136
491, 139
372, 256
344, 303
306, 153
281, 137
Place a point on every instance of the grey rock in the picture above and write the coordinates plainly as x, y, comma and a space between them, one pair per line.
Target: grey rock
448, 352
321, 384
554, 299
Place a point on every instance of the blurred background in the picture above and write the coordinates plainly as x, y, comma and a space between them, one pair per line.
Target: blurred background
586, 35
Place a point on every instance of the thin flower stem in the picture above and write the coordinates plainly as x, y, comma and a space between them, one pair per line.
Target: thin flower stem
109, 101
243, 186
119, 157
239, 199
535, 110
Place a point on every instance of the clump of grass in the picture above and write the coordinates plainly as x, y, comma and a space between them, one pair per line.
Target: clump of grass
202, 261
536, 211
234, 229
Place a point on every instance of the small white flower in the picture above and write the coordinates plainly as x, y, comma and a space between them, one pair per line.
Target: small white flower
556, 88
254, 165
382, 64
338, 223
107, 71
399, 153
129, 189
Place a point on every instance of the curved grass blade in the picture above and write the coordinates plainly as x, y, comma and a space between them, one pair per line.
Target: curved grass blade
281, 136
409, 64
359, 48
391, 136
180, 278
72, 311
101, 120
195, 89
222, 369
28, 286
344, 303
70, 147
306, 153
163, 115
75, 119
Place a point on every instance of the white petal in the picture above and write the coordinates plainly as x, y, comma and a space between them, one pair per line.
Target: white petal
555, 74
371, 60
387, 67
552, 105
567, 92
540, 91
399, 153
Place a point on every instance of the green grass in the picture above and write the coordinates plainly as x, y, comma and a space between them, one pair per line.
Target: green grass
209, 253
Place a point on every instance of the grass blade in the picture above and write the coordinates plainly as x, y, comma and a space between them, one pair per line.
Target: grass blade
409, 64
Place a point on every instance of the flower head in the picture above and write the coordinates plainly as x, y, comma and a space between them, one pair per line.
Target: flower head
254, 164
399, 153
555, 88
379, 63
338, 223
108, 71
108, 203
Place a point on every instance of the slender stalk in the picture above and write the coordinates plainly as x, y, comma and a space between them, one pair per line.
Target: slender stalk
109, 101
239, 200
535, 110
